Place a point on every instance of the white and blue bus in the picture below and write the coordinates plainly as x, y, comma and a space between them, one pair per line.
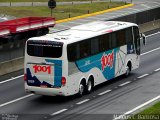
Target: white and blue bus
73, 61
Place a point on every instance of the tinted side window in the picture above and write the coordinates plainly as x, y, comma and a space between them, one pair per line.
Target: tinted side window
103, 43
94, 46
79, 50
110, 41
85, 48
121, 37
128, 35
113, 40
73, 52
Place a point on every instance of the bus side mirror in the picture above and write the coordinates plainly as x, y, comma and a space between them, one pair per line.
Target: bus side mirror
143, 38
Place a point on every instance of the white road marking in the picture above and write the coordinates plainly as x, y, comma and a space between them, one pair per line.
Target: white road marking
107, 91
157, 70
82, 101
18, 99
137, 108
123, 84
150, 51
58, 112
11, 79
142, 76
153, 34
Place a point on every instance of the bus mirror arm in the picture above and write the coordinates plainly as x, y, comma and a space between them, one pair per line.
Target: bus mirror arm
143, 37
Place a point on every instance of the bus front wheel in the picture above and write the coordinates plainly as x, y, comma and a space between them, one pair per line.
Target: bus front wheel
128, 69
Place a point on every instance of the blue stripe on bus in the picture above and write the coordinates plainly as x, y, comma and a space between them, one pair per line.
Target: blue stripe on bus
108, 69
57, 71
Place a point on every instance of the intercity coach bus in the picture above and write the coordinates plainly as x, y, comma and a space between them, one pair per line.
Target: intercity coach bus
75, 60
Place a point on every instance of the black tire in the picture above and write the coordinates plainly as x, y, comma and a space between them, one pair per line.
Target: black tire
128, 70
89, 87
81, 89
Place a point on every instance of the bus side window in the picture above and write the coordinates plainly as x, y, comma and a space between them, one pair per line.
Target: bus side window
110, 41
94, 46
128, 35
72, 52
129, 40
121, 37
85, 48
114, 40
103, 43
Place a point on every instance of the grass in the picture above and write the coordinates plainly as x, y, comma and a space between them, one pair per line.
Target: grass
151, 113
60, 12
39, 0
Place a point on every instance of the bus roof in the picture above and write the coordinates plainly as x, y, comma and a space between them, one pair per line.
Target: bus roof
85, 31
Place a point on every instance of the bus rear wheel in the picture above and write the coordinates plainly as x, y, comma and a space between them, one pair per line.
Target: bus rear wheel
89, 86
81, 89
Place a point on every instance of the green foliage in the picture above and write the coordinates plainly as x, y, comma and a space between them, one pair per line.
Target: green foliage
151, 113
60, 12
155, 109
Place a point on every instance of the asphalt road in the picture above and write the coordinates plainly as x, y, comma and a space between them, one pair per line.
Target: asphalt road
107, 100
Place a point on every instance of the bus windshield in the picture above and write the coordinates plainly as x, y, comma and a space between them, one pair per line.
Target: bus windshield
44, 48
